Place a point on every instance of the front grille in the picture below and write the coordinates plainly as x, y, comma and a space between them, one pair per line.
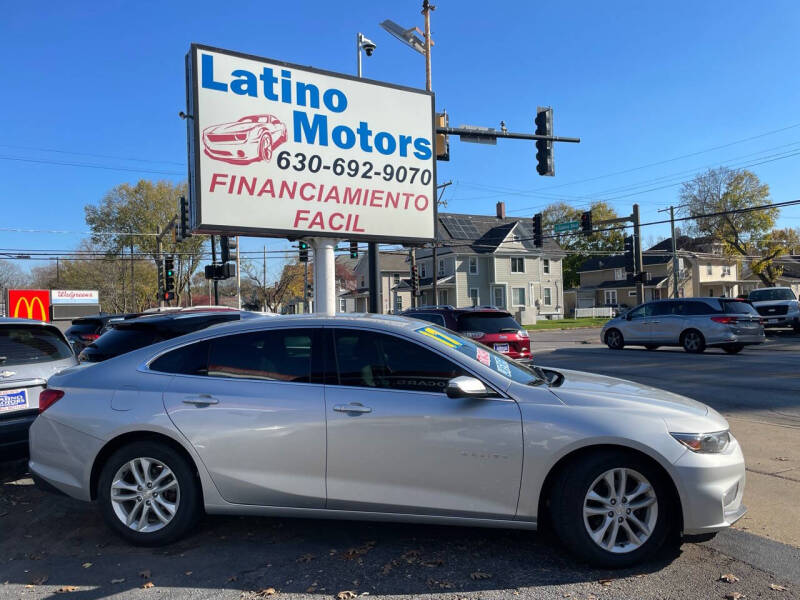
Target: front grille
771, 311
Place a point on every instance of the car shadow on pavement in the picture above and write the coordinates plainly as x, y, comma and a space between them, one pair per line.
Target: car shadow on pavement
52, 542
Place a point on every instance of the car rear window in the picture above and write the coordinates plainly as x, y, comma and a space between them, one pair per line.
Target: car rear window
739, 308
771, 294
83, 327
24, 344
488, 322
430, 317
120, 341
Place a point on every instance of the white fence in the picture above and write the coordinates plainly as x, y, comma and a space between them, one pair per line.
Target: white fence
596, 311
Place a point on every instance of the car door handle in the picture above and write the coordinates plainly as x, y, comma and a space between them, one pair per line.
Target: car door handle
201, 400
352, 408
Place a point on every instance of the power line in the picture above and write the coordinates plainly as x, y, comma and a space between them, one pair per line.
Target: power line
90, 166
144, 160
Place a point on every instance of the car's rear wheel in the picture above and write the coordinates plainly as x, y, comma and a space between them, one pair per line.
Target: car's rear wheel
614, 339
693, 341
148, 494
612, 509
651, 347
265, 148
733, 348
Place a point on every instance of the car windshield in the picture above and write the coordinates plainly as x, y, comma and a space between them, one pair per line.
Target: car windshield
26, 344
736, 307
119, 341
488, 322
494, 360
771, 294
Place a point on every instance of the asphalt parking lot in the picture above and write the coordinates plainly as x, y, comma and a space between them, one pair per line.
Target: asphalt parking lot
51, 543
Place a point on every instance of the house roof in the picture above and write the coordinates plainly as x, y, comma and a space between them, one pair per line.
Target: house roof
484, 234
389, 261
655, 255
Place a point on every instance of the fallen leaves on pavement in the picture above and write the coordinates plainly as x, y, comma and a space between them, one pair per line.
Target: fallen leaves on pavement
733, 596
778, 588
147, 585
728, 578
480, 575
444, 585
346, 595
306, 558
65, 589
605, 581
361, 550
120, 580
41, 580
86, 565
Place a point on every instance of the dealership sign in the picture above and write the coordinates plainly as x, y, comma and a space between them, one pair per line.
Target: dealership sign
29, 304
276, 149
74, 297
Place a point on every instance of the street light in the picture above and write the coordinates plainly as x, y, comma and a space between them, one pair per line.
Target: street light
407, 36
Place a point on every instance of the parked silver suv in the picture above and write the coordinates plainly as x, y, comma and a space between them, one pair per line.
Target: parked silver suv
694, 323
778, 306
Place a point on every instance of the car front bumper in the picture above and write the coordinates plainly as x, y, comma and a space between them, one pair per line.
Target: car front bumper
787, 320
711, 488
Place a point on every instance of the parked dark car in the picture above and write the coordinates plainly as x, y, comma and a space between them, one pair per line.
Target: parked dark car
488, 325
132, 334
85, 330
30, 352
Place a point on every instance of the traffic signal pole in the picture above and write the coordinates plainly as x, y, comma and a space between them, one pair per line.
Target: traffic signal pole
214, 262
637, 253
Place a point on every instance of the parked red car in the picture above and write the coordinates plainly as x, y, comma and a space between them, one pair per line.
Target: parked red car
490, 326
247, 140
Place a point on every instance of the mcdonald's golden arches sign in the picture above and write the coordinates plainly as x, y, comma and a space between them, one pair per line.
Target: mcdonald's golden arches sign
29, 304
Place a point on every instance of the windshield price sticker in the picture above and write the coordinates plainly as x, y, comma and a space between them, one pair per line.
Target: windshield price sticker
280, 150
484, 357
439, 336
502, 366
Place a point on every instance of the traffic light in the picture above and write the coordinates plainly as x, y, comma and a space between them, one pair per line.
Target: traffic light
310, 289
629, 260
218, 272
544, 148
169, 278
353, 249
586, 222
182, 227
442, 139
226, 244
415, 281
303, 246
537, 230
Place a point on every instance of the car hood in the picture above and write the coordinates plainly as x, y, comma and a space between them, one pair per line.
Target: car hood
231, 128
586, 389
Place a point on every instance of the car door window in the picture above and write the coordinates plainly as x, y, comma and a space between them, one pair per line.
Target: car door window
376, 360
276, 355
640, 312
660, 309
698, 308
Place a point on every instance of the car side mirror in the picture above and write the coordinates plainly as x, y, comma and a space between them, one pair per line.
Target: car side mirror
628, 317
466, 387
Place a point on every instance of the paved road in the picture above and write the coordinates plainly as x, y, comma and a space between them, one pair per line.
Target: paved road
761, 383
49, 542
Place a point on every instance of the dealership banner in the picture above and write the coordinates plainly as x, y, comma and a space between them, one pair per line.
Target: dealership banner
281, 150
74, 297
29, 304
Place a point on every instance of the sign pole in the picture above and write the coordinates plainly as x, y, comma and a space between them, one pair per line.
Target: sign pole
324, 275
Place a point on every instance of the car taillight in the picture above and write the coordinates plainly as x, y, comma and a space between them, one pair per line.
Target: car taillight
89, 337
522, 333
475, 335
725, 320
49, 397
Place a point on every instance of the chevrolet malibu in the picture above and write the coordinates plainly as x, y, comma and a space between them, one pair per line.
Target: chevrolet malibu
382, 418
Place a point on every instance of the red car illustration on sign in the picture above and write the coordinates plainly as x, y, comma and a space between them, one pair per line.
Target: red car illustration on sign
245, 141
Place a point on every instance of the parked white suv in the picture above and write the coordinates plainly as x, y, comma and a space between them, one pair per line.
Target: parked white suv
777, 305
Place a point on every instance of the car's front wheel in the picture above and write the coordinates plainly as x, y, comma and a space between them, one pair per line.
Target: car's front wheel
148, 493
612, 509
614, 339
265, 148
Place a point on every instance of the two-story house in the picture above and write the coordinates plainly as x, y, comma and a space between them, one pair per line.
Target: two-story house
492, 260
393, 267
703, 270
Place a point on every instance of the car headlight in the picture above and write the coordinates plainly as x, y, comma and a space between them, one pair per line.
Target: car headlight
705, 443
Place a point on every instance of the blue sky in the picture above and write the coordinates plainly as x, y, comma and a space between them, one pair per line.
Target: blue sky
640, 82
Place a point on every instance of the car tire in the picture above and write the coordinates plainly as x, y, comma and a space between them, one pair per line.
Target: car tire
651, 347
693, 341
733, 348
578, 527
614, 339
265, 148
176, 485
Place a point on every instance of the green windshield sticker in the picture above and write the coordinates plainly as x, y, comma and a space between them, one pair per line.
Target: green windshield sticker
439, 336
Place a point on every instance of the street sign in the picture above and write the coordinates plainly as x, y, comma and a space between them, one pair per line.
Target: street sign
568, 226
483, 139
280, 150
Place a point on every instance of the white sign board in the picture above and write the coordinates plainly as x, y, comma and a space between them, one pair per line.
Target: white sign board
74, 297
281, 150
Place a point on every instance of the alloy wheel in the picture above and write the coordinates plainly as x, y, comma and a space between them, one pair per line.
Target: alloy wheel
620, 510
145, 494
614, 338
692, 341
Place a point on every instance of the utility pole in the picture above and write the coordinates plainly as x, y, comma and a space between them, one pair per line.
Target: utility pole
133, 288
427, 7
264, 279
675, 270
412, 257
305, 288
158, 261
637, 254
238, 276
214, 262
436, 244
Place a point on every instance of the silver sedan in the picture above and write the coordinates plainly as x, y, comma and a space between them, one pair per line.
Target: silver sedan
382, 418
